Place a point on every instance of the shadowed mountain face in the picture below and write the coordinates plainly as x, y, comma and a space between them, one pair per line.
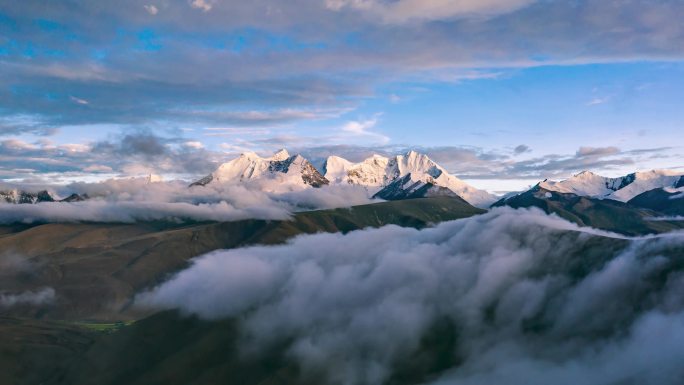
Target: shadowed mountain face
606, 214
668, 203
407, 188
95, 269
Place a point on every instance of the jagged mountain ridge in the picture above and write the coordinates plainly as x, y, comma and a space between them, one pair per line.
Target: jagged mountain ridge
25, 197
16, 196
405, 176
377, 173
669, 201
621, 189
407, 187
607, 214
281, 167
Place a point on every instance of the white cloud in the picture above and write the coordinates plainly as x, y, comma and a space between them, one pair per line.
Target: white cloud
403, 11
134, 199
98, 168
363, 128
531, 298
151, 9
33, 298
204, 5
78, 100
596, 101
194, 144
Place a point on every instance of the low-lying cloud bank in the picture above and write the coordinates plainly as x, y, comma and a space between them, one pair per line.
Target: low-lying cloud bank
133, 200
665, 219
525, 301
39, 297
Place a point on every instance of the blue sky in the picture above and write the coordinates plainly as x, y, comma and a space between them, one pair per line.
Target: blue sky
497, 89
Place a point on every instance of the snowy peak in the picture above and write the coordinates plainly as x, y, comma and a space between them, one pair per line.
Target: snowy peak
280, 167
645, 181
372, 172
621, 189
394, 174
407, 187
586, 183
281, 154
414, 162
24, 197
376, 173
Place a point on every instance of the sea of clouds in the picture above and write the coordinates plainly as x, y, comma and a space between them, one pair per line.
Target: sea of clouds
131, 200
531, 299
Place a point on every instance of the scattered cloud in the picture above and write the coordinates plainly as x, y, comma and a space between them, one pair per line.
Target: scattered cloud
403, 11
297, 56
194, 144
204, 5
597, 151
363, 128
597, 101
78, 100
19, 124
132, 153
151, 9
521, 149
40, 297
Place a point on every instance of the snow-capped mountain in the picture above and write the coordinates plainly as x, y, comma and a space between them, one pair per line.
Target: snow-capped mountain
414, 173
406, 187
421, 176
24, 197
375, 171
621, 189
285, 170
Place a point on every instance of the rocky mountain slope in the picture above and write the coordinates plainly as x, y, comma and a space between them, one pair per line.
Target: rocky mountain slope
281, 169
16, 196
405, 176
669, 201
621, 189
375, 173
606, 214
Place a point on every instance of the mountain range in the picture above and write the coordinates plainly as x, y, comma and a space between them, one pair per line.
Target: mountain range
415, 175
410, 175
621, 189
91, 332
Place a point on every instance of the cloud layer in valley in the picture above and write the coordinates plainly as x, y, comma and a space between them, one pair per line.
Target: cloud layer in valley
41, 297
528, 299
136, 199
